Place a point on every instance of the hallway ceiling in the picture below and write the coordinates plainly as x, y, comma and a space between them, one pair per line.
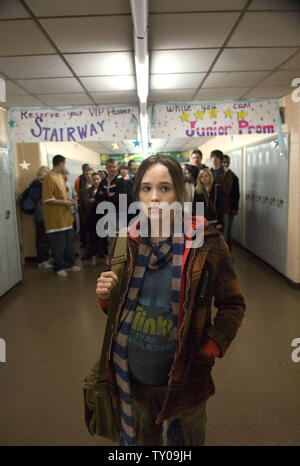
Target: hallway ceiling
64, 52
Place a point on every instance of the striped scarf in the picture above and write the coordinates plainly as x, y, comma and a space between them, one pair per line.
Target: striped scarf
150, 257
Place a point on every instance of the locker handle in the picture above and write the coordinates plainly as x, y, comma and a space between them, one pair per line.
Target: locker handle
7, 214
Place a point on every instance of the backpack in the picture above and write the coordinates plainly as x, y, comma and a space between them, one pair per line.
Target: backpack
29, 198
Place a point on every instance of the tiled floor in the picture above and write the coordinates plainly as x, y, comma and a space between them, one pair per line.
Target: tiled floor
53, 330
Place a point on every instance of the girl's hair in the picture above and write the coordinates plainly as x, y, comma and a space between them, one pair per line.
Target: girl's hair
174, 170
96, 174
199, 186
42, 171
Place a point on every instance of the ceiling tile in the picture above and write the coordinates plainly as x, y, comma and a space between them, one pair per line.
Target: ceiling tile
274, 5
251, 59
280, 78
176, 61
105, 64
220, 94
170, 96
24, 101
96, 34
115, 97
66, 99
293, 63
109, 83
78, 7
12, 9
12, 89
51, 86
159, 6
176, 81
179, 31
47, 66
286, 25
234, 79
22, 37
261, 92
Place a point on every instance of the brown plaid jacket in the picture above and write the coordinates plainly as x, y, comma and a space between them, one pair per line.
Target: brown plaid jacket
208, 274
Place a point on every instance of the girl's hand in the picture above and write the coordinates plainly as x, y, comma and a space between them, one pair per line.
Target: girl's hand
219, 227
105, 283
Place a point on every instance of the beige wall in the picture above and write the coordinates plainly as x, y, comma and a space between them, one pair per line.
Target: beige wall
292, 111
37, 155
70, 150
3, 127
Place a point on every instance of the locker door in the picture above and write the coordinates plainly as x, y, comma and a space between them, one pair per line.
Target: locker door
11, 265
267, 203
236, 165
4, 265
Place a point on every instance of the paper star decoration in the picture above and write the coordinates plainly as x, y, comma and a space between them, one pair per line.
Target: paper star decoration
24, 165
228, 113
199, 114
242, 115
115, 146
11, 123
136, 143
149, 144
213, 113
184, 117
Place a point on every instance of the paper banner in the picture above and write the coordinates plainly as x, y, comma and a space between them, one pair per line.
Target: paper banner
194, 120
74, 124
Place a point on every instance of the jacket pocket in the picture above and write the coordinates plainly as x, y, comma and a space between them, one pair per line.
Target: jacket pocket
201, 366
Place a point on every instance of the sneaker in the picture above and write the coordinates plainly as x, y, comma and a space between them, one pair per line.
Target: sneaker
75, 268
45, 265
62, 273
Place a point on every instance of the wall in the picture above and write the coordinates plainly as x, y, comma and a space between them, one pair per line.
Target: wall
37, 155
292, 112
3, 127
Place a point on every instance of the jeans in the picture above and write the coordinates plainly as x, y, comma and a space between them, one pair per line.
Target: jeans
42, 242
228, 222
62, 245
185, 429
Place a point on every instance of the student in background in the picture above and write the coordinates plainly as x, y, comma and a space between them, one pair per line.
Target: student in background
98, 245
123, 171
41, 237
112, 186
233, 199
83, 210
59, 219
71, 195
208, 192
196, 160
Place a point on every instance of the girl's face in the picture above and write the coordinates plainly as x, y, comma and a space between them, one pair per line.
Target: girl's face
96, 180
156, 187
204, 178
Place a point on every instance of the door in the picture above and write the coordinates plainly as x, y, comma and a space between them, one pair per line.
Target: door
10, 268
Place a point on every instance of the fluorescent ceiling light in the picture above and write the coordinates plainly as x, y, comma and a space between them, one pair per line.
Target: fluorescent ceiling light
142, 78
2, 90
144, 132
139, 10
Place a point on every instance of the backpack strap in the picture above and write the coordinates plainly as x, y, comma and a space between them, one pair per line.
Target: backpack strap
118, 262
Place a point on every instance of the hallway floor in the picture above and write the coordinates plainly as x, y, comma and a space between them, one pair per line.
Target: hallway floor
53, 330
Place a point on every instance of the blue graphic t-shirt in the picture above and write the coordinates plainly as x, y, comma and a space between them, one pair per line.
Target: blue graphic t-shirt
152, 338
